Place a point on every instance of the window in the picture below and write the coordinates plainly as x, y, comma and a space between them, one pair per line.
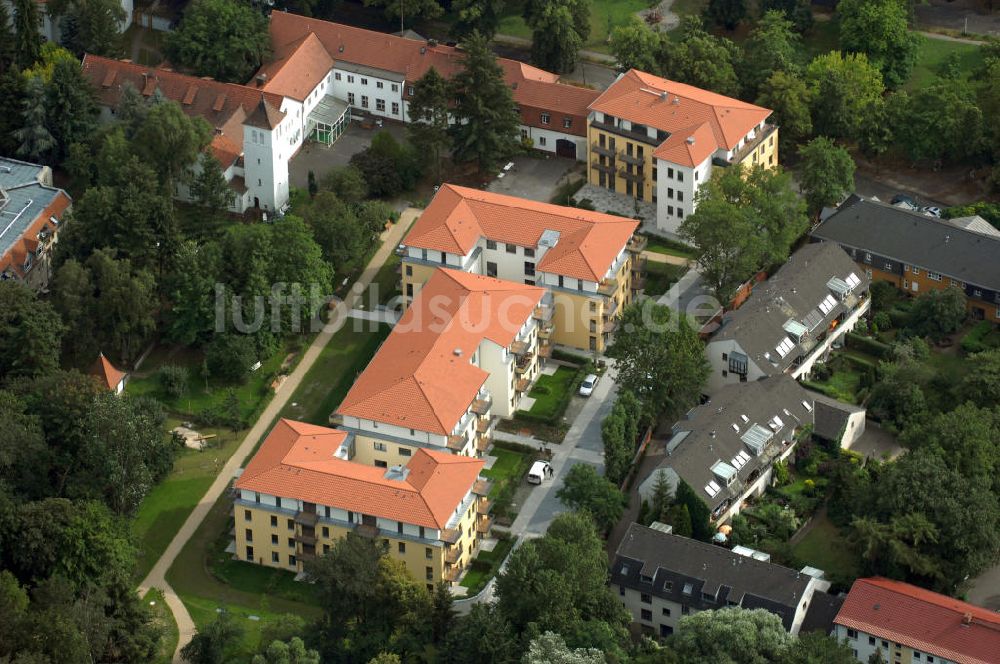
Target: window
291, 560
364, 101
868, 259
934, 276
404, 451
542, 141
916, 270
409, 90
685, 610
250, 553
511, 248
409, 270
428, 553
379, 447
380, 105
670, 172
350, 98
274, 522
248, 515
680, 176
395, 88
680, 195
666, 630
249, 535
491, 244
852, 633
364, 81
670, 192
421, 531
275, 557
688, 588
665, 611
274, 540
593, 343
409, 290
977, 293
646, 598
379, 85
291, 542
291, 524
567, 123
871, 640
530, 253
381, 464
670, 210
350, 79
325, 531
395, 108
491, 269
680, 213
429, 571
336, 75
545, 118
646, 615
529, 268
402, 547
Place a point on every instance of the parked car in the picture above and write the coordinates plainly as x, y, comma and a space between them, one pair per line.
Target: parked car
540, 471
932, 210
904, 201
587, 386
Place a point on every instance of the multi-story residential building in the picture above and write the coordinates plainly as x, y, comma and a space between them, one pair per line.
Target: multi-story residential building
374, 73
790, 321
910, 625
585, 260
658, 141
31, 214
256, 132
918, 253
725, 449
661, 577
463, 353
299, 495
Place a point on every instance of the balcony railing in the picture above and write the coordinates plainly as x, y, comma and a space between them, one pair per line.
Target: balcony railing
545, 350
630, 159
305, 539
483, 426
366, 530
543, 312
523, 365
597, 148
522, 385
635, 175
482, 487
520, 347
483, 443
308, 519
451, 535
457, 443
626, 133
452, 574
482, 405
610, 326
336, 419
611, 308
483, 525
485, 505
545, 330
609, 168
608, 286
637, 243
452, 555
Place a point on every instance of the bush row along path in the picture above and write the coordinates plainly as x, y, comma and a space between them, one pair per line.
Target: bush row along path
157, 576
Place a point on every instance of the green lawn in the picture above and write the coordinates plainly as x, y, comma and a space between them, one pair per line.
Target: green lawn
256, 579
333, 373
825, 548
932, 53
605, 16
486, 565
658, 245
661, 276
506, 474
385, 285
202, 397
165, 620
549, 393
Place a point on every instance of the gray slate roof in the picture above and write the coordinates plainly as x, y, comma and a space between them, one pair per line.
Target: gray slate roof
675, 560
916, 239
699, 450
823, 609
22, 198
830, 416
793, 293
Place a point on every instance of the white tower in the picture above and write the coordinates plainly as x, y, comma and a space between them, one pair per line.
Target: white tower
265, 162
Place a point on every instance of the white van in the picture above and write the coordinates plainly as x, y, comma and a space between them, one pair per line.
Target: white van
540, 471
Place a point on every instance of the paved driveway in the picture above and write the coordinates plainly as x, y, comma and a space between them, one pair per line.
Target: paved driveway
535, 177
691, 296
320, 158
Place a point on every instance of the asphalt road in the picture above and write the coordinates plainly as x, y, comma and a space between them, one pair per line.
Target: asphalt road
868, 187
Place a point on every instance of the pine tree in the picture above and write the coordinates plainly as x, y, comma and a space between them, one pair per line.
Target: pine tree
428, 128
555, 42
486, 120
12, 94
28, 43
34, 140
209, 187
7, 52
72, 109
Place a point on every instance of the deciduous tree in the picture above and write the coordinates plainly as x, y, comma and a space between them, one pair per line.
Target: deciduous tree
726, 13
170, 141
880, 29
224, 39
772, 46
636, 46
733, 635
555, 42
407, 10
924, 132
30, 332
937, 313
790, 99
845, 91
799, 12
90, 26
701, 59
482, 16
483, 636
550, 648
827, 173
583, 489
981, 384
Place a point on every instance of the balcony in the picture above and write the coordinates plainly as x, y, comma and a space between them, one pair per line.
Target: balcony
523, 365
545, 330
520, 348
484, 506
543, 312
626, 133
482, 405
482, 487
366, 530
610, 308
336, 419
610, 326
452, 574
609, 168
608, 286
743, 152
305, 554
597, 148
304, 538
452, 555
457, 443
522, 385
307, 519
631, 159
483, 525
483, 426
451, 535
636, 175
545, 351
637, 243
483, 443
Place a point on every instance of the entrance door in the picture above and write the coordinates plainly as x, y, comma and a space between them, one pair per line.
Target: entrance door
566, 148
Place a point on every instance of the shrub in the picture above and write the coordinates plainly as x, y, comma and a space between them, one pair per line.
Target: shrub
884, 294
173, 380
882, 320
973, 341
230, 356
866, 345
822, 371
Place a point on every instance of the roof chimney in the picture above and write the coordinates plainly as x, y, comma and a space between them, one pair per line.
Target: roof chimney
458, 352
423, 50
261, 80
664, 95
431, 43
967, 619
690, 140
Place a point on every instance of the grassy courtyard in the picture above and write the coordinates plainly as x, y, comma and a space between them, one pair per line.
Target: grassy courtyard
164, 620
933, 53
486, 564
824, 547
551, 393
661, 276
605, 16
507, 473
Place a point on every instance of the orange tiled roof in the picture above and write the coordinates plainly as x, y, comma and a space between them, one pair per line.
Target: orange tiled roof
532, 87
458, 216
683, 110
422, 376
298, 73
218, 103
15, 256
296, 460
923, 620
106, 372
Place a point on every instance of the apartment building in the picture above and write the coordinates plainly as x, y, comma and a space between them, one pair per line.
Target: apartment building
791, 321
909, 625
463, 354
658, 141
918, 253
31, 214
299, 495
586, 261
256, 133
661, 577
725, 449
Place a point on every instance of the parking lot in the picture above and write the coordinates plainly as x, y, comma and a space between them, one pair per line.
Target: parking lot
320, 159
535, 177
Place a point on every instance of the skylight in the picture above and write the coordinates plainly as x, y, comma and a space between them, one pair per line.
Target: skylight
784, 347
853, 280
807, 406
827, 305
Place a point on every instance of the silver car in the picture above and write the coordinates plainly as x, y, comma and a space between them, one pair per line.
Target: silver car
587, 386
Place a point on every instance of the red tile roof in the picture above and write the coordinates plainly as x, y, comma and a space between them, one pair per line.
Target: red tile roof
713, 120
533, 88
923, 620
106, 372
422, 377
298, 73
297, 461
218, 103
458, 216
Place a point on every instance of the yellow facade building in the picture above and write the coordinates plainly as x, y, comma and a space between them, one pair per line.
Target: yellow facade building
587, 261
657, 141
299, 495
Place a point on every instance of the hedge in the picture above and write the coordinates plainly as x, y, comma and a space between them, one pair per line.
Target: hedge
867, 345
567, 356
973, 341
